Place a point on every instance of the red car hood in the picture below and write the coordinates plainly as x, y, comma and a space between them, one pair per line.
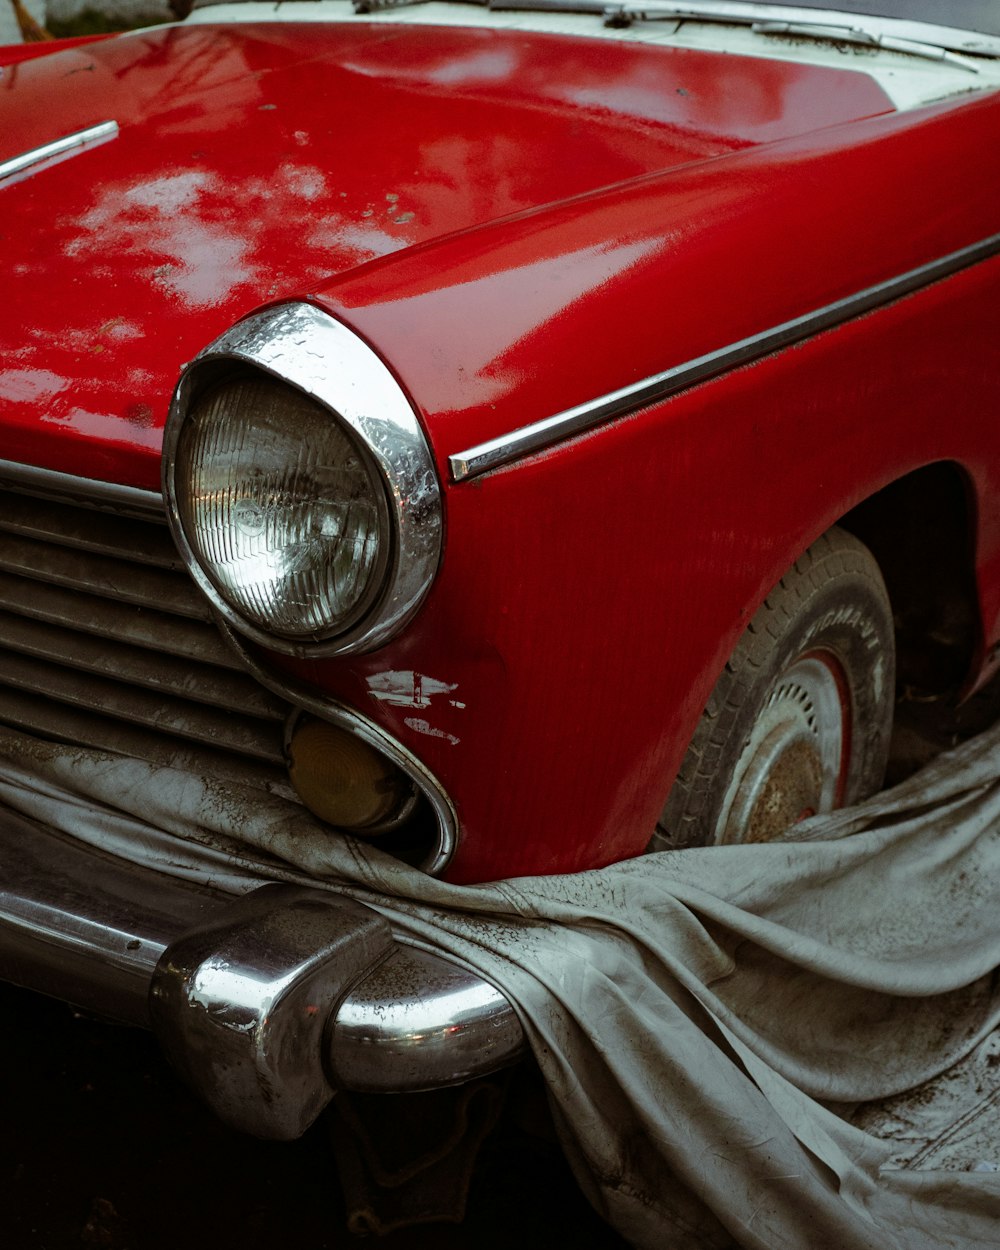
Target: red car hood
254, 162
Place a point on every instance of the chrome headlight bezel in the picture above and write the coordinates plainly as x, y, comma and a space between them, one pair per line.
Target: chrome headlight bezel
306, 349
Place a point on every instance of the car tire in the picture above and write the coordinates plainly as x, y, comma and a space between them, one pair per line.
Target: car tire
800, 719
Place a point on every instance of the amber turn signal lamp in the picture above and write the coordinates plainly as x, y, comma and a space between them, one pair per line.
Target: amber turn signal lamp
344, 781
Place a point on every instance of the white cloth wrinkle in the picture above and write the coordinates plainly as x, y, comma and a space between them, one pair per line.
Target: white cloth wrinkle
692, 1011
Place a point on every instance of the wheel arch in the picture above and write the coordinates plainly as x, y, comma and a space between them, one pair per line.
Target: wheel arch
921, 529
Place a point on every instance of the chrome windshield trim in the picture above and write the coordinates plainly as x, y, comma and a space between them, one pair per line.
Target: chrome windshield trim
73, 143
858, 34
894, 32
310, 351
546, 433
51, 484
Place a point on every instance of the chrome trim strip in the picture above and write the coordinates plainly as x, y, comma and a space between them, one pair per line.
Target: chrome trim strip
100, 133
368, 731
546, 433
50, 484
310, 351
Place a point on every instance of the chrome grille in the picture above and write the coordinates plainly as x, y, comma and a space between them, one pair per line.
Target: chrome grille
106, 642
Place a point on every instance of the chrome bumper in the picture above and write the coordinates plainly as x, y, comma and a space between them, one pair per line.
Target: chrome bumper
268, 1002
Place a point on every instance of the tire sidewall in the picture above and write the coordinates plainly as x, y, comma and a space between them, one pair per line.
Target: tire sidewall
844, 620
833, 603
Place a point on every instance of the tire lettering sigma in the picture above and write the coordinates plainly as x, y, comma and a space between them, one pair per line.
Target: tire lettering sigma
848, 617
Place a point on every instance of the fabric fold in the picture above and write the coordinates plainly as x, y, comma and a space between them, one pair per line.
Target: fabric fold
692, 1011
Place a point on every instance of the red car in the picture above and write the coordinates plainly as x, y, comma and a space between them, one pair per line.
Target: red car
524, 435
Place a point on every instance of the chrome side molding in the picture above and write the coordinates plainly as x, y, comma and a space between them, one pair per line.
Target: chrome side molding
67, 145
546, 433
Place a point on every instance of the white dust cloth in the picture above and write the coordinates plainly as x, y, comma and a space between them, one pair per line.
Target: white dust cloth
692, 1011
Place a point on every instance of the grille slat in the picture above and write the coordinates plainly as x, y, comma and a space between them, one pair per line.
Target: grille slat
36, 715
107, 644
105, 641
103, 575
104, 618
166, 674
189, 720
66, 526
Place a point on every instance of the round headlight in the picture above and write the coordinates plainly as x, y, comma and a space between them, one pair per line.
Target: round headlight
300, 486
281, 508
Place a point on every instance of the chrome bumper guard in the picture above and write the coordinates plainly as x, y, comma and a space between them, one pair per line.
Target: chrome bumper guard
267, 1002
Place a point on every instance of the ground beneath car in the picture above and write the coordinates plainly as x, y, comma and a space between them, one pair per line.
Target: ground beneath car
101, 1146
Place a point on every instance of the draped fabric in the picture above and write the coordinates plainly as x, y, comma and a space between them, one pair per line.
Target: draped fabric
727, 1033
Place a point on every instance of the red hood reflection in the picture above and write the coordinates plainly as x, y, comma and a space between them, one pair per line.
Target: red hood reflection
253, 162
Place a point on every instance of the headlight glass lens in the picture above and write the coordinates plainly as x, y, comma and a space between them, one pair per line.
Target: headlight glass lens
281, 508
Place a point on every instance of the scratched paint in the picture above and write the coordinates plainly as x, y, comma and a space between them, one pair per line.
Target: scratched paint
403, 688
424, 727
